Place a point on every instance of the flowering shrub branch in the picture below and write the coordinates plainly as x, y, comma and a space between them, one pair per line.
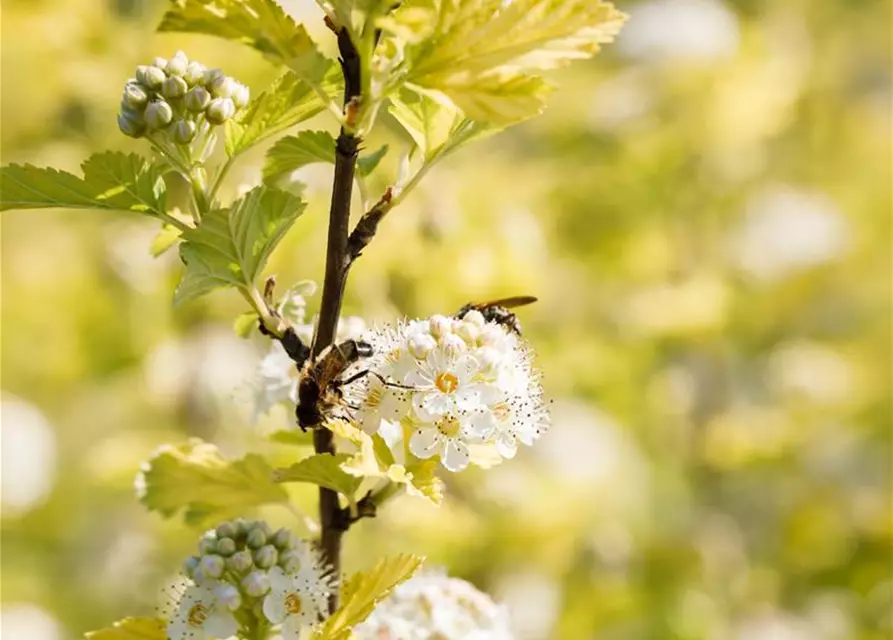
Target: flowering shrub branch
402, 400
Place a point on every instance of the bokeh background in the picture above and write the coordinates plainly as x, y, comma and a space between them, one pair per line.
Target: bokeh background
704, 213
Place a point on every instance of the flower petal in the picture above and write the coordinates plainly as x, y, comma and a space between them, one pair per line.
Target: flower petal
465, 368
274, 606
506, 446
178, 628
455, 455
424, 443
467, 399
279, 580
221, 624
291, 628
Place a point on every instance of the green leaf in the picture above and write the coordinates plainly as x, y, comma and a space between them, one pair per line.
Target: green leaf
288, 102
324, 470
166, 237
293, 152
196, 479
260, 24
481, 54
245, 324
367, 164
294, 437
131, 629
424, 480
231, 246
362, 591
112, 180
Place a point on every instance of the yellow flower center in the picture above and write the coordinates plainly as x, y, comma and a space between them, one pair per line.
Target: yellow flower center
446, 382
373, 399
448, 426
197, 615
394, 356
293, 604
501, 411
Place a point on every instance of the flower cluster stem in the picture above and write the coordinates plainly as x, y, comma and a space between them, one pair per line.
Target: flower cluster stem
346, 151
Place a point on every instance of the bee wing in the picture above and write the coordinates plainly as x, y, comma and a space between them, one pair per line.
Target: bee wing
329, 367
508, 303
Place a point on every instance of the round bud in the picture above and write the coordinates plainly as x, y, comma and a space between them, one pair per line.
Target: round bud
468, 332
208, 543
149, 76
173, 87
256, 584
489, 359
131, 124
226, 546
266, 556
135, 96
263, 526
256, 538
210, 76
211, 566
241, 525
222, 86
228, 595
440, 326
453, 344
159, 114
183, 131
241, 96
220, 110
283, 539
290, 561
189, 565
476, 318
226, 530
239, 562
159, 62
421, 344
177, 65
195, 73
197, 99
491, 334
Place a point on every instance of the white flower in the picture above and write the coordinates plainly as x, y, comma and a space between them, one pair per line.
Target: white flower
432, 605
276, 380
299, 599
444, 384
201, 614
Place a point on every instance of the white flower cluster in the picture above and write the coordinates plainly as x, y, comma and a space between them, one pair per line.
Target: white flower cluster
455, 384
244, 567
432, 605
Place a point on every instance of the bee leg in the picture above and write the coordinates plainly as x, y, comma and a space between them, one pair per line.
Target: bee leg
388, 383
354, 377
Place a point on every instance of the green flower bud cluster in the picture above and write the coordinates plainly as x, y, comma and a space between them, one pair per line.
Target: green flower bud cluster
242, 552
179, 99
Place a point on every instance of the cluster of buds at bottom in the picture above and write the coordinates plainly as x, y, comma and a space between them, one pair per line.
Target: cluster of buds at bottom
247, 578
178, 98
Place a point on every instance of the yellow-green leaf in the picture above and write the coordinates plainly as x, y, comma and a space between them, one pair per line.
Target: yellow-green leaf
362, 591
293, 152
196, 479
245, 324
131, 629
424, 481
167, 237
324, 470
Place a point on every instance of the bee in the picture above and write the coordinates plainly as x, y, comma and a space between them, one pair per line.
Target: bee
498, 311
319, 389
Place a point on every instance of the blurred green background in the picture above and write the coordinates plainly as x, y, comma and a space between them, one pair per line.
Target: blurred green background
704, 214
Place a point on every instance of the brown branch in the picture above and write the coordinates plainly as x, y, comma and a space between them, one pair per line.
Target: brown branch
346, 149
367, 227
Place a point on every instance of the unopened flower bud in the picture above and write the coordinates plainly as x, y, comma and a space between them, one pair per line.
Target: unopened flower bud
159, 62
440, 326
468, 332
453, 344
149, 76
476, 318
266, 556
226, 546
173, 87
283, 539
222, 86
241, 96
256, 538
489, 359
239, 562
135, 96
220, 110
211, 566
197, 99
241, 526
189, 565
211, 75
491, 334
131, 124
420, 345
183, 131
290, 561
228, 595
176, 66
256, 584
195, 73
159, 114
207, 543
226, 530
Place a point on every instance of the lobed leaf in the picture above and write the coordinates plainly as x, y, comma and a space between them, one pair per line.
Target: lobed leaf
260, 24
112, 181
196, 479
231, 246
362, 591
131, 629
293, 152
324, 470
